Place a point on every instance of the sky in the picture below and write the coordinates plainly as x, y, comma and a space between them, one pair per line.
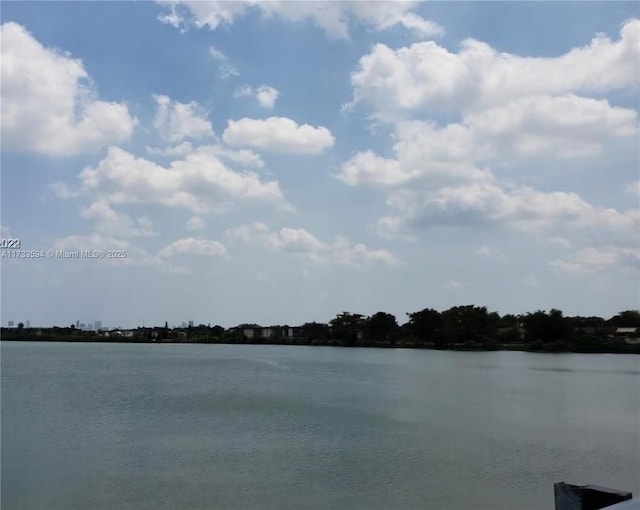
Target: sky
281, 162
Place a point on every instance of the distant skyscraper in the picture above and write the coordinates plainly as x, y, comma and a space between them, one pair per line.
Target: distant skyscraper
10, 324
81, 325
190, 324
184, 324
28, 324
77, 324
98, 325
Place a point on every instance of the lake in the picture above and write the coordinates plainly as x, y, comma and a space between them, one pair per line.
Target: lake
144, 426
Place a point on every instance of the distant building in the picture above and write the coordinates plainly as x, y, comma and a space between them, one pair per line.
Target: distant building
28, 324
10, 324
97, 325
77, 324
82, 325
190, 324
629, 335
184, 325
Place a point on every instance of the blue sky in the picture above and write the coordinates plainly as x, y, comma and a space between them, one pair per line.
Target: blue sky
281, 162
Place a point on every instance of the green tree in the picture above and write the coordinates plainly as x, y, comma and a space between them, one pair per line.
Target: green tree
626, 319
425, 325
315, 331
381, 326
469, 324
347, 327
543, 327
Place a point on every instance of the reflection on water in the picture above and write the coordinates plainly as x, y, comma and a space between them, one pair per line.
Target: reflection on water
223, 426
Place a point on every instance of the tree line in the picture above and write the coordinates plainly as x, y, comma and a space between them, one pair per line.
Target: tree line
459, 327
475, 327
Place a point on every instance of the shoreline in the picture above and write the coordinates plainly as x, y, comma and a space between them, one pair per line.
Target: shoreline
548, 349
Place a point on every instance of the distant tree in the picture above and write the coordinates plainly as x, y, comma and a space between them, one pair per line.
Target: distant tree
346, 327
543, 327
381, 326
586, 322
424, 325
20, 326
465, 324
315, 331
509, 321
626, 319
217, 331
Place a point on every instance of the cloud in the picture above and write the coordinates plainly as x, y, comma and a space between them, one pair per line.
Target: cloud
244, 157
302, 242
294, 240
492, 253
265, 95
427, 77
521, 207
211, 14
277, 134
252, 233
504, 109
114, 223
195, 223
199, 182
225, 69
62, 190
559, 241
562, 127
176, 121
633, 188
331, 17
172, 151
49, 104
455, 284
592, 260
192, 246
135, 256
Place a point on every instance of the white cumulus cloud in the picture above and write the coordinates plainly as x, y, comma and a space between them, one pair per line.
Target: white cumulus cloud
265, 95
277, 134
332, 17
594, 259
113, 223
199, 182
176, 121
49, 104
302, 242
193, 246
427, 77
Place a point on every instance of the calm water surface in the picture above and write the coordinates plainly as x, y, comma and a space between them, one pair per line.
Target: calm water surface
114, 426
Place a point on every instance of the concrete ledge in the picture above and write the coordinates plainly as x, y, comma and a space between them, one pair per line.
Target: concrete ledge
587, 497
